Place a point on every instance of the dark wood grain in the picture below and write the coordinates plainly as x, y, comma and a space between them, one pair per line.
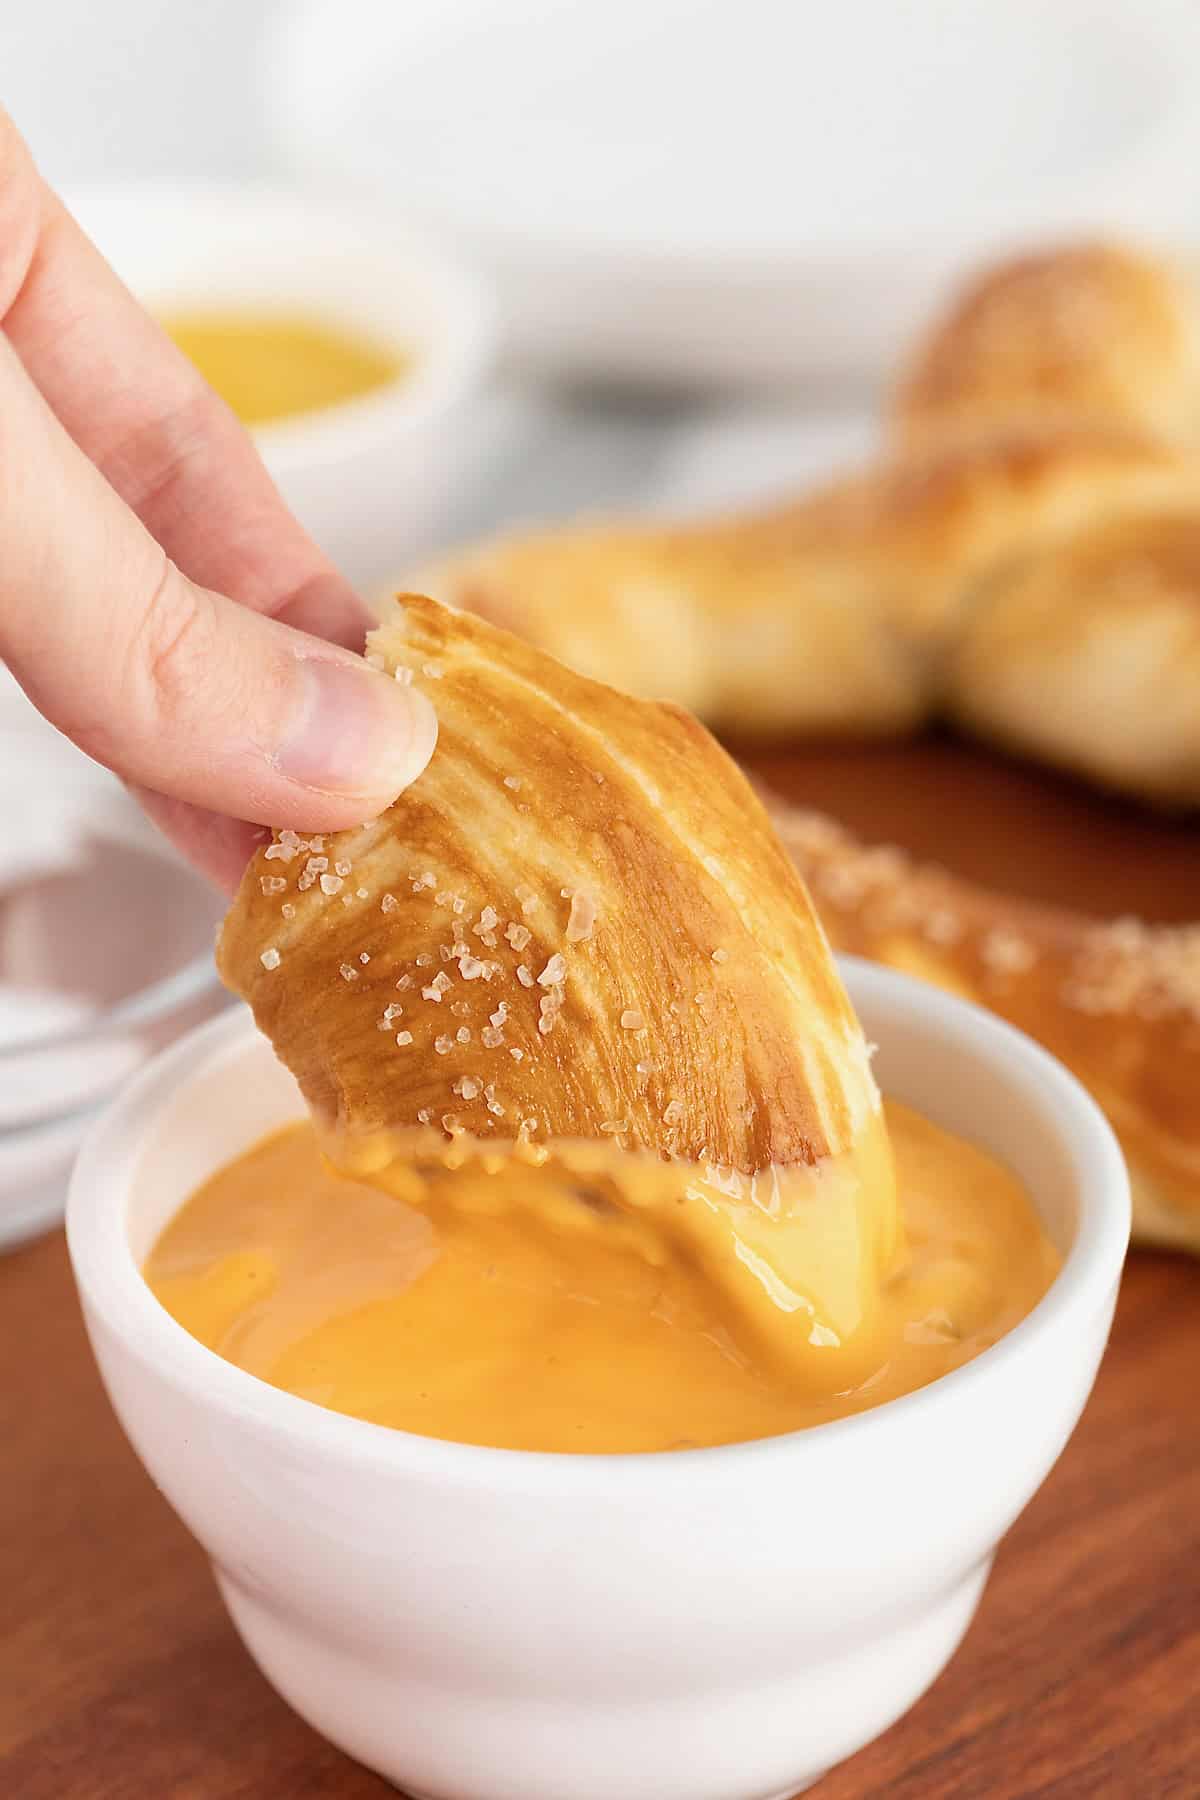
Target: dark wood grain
120, 1678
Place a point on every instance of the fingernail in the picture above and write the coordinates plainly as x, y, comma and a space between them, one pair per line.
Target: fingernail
357, 732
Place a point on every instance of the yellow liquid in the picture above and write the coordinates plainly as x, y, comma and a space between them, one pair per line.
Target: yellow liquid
482, 1318
274, 365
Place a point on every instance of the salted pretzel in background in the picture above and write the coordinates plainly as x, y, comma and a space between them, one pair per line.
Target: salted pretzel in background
1023, 560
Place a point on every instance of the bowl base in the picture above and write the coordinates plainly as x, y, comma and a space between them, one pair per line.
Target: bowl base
383, 1715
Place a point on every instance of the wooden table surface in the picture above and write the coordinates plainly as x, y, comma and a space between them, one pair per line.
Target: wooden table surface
121, 1679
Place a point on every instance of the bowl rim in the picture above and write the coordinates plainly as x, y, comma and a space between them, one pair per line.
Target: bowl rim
1057, 204
110, 1282
447, 367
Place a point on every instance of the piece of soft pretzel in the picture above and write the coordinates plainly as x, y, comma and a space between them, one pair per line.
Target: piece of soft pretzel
1040, 584
1024, 559
1095, 332
1117, 1002
592, 868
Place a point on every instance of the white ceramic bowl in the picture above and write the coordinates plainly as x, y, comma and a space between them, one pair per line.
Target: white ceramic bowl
769, 191
369, 478
720, 1624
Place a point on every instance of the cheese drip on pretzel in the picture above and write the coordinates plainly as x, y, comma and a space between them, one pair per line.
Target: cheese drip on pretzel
575, 948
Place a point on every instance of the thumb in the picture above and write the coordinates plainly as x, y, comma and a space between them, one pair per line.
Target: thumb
171, 685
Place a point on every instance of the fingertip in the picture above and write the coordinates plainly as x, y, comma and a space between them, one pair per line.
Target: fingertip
358, 734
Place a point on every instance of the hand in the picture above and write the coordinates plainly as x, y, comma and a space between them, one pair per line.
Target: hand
158, 602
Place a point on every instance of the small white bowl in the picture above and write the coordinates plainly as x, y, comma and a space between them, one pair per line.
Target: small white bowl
721, 1624
370, 477
777, 190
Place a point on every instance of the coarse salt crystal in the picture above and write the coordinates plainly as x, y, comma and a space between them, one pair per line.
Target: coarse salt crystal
288, 910
720, 956
518, 935
403, 1038
270, 958
443, 1045
524, 976
491, 1037
331, 884
466, 1087
348, 973
513, 782
673, 1112
632, 1020
515, 1052
583, 917
389, 903
342, 868
432, 670
554, 971
272, 884
463, 1034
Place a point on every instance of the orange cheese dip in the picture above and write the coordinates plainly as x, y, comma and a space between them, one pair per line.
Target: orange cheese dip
483, 1317
273, 365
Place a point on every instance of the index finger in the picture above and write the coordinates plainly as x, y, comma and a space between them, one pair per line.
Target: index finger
143, 414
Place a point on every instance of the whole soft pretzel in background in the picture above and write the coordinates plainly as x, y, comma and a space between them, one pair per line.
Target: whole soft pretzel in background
1024, 559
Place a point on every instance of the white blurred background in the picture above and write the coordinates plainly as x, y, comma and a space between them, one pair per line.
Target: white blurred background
655, 188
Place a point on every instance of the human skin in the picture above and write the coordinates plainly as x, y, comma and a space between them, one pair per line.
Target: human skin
158, 602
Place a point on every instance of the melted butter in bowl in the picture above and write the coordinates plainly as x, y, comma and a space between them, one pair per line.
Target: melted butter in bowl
520, 1307
273, 365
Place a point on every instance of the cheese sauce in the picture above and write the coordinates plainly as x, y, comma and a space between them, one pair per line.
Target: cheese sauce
527, 1314
274, 365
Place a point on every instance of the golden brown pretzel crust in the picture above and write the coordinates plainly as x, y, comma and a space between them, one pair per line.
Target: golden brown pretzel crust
1093, 332
577, 923
1118, 1003
861, 608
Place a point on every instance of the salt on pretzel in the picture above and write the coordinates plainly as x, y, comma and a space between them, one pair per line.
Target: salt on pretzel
1118, 1002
